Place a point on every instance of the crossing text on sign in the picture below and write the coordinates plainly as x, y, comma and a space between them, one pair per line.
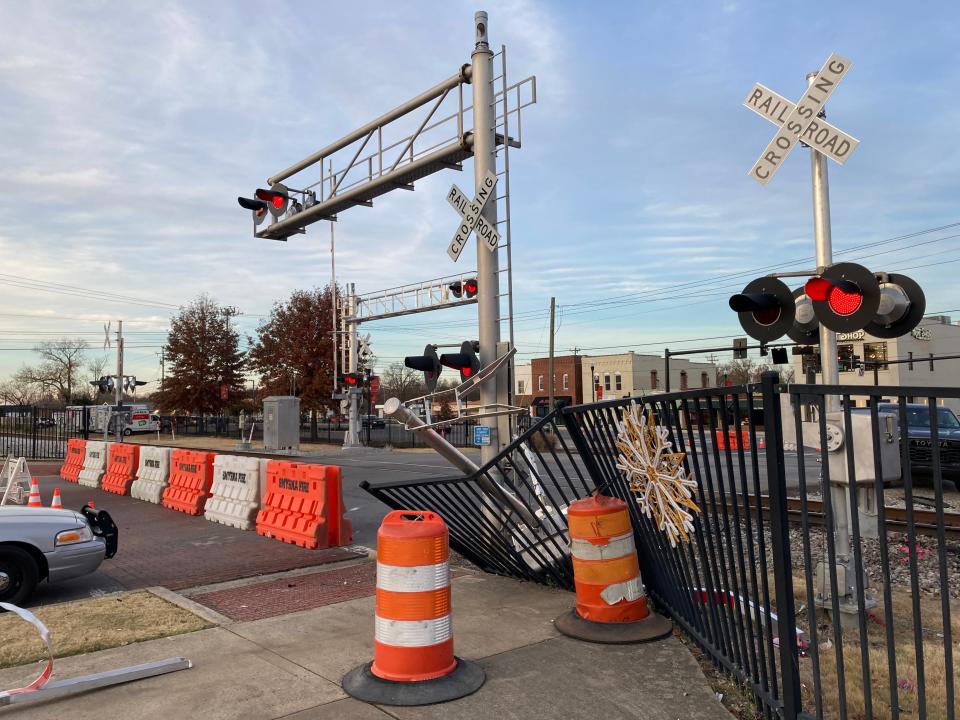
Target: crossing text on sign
798, 120
820, 135
472, 218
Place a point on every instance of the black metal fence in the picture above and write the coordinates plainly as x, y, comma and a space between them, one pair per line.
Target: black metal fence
856, 622
37, 432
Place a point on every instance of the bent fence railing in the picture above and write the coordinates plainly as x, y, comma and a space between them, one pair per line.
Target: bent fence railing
860, 622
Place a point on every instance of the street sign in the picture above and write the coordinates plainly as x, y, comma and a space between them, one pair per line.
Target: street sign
797, 121
821, 135
471, 217
481, 435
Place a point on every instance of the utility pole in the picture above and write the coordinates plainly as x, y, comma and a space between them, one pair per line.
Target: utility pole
488, 270
162, 350
553, 307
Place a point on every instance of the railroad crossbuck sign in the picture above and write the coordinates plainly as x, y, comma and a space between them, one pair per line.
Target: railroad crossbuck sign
800, 123
471, 218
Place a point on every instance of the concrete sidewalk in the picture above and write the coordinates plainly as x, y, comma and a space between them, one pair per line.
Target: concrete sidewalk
290, 666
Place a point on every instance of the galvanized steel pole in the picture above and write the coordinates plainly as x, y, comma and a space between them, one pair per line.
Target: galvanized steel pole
829, 367
352, 438
488, 277
829, 362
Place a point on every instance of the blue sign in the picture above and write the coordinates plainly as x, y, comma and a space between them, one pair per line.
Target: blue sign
481, 435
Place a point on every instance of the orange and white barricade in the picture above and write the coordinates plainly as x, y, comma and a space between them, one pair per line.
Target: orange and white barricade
73, 463
413, 660
610, 604
94, 464
153, 474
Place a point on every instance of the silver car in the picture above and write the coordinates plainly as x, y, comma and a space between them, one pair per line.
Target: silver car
46, 544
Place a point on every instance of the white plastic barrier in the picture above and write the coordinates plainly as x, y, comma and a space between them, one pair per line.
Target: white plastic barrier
237, 488
153, 474
94, 464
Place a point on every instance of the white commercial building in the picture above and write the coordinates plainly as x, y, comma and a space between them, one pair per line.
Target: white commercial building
935, 336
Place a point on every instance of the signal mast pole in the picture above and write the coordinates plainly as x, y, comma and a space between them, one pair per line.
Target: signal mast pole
823, 243
488, 271
119, 387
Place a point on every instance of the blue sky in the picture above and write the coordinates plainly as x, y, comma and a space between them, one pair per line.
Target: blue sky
129, 129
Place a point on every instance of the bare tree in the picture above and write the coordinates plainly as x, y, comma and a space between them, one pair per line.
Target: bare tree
401, 382
58, 372
740, 372
13, 392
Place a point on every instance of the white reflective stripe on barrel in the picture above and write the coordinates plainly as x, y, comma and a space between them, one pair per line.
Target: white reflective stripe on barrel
629, 591
413, 633
416, 578
618, 547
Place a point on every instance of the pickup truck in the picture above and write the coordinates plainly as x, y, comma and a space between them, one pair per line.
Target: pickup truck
50, 544
918, 435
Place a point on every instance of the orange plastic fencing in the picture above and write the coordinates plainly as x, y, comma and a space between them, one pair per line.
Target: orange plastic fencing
73, 464
303, 506
121, 469
191, 476
606, 573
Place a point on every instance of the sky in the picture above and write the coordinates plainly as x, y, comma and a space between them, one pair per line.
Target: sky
129, 129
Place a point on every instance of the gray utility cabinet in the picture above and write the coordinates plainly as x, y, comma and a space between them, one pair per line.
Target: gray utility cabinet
281, 423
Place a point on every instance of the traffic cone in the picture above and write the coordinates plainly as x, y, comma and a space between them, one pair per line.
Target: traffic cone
34, 500
56, 503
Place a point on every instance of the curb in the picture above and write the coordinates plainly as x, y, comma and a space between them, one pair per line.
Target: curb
189, 605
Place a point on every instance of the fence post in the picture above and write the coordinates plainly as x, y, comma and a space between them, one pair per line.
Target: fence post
780, 541
33, 430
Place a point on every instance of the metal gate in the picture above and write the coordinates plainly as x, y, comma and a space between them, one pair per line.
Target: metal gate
744, 588
39, 433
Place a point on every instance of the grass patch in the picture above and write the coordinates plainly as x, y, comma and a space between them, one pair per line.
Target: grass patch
906, 678
90, 625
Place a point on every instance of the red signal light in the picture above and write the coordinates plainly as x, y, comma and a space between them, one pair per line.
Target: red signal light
818, 288
274, 198
466, 372
844, 303
470, 287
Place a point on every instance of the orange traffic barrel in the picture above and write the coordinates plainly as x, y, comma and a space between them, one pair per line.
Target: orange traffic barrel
610, 604
413, 660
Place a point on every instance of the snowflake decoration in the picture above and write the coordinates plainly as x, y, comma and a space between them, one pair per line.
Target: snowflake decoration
656, 474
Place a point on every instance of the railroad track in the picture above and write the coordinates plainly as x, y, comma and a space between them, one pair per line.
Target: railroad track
897, 518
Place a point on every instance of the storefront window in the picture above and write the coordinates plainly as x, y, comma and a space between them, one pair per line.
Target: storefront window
875, 354
845, 355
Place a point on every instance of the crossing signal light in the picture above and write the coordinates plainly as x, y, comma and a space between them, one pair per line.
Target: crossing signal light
351, 379
104, 383
467, 288
277, 198
428, 364
275, 201
765, 308
845, 297
258, 207
466, 361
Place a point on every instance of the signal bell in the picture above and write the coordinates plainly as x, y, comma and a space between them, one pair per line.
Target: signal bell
765, 308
